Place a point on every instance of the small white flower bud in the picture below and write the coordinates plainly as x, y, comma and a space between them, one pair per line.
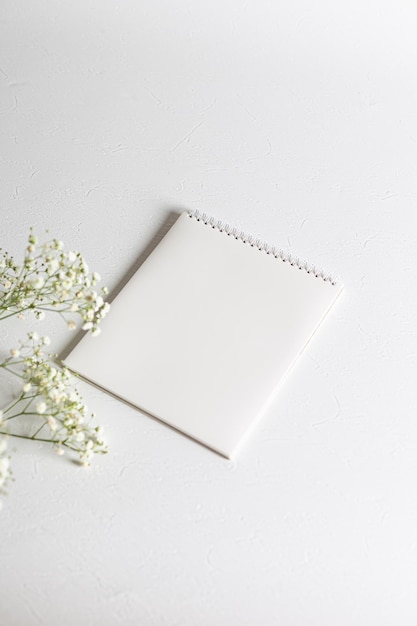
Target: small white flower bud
41, 408
52, 266
52, 423
38, 282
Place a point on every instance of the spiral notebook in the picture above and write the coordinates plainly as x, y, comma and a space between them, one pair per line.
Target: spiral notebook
203, 334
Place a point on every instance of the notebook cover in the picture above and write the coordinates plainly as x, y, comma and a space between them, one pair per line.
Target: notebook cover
204, 332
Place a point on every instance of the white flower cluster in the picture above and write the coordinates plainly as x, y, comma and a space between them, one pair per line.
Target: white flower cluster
49, 396
51, 279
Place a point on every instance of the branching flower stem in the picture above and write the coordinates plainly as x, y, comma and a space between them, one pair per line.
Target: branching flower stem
49, 280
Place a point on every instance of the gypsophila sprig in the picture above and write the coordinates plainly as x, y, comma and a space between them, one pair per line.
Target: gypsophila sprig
49, 280
49, 397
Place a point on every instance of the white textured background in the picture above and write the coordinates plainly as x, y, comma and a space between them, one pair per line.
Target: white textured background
295, 121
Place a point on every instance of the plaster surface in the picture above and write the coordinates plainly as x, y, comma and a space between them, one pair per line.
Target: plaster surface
296, 122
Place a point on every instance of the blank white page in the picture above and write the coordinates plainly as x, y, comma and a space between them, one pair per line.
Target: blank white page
204, 332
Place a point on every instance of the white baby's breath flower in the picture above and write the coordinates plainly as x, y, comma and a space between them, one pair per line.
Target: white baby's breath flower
52, 266
99, 302
72, 325
46, 341
87, 326
26, 387
41, 408
96, 331
52, 423
55, 395
15, 352
37, 282
39, 315
33, 335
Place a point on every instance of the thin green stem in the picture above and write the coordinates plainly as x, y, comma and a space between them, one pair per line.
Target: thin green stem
23, 411
4, 317
39, 430
15, 373
11, 406
2, 432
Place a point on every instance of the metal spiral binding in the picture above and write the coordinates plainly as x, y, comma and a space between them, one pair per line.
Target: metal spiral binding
262, 246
